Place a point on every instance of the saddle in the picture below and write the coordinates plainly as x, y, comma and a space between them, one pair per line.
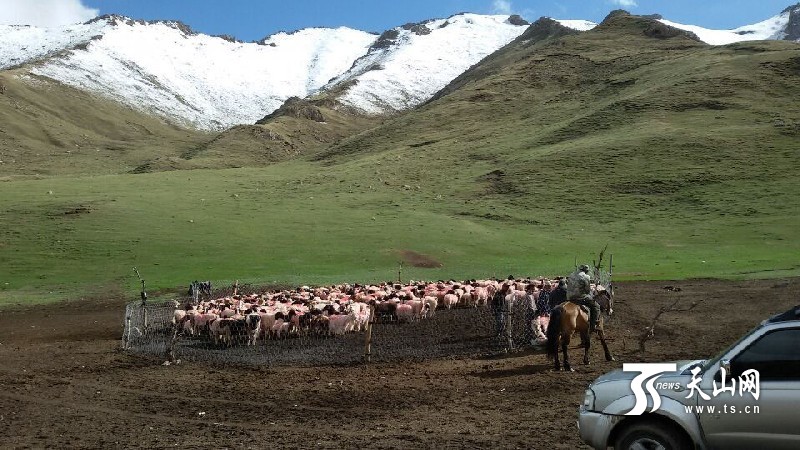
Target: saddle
585, 309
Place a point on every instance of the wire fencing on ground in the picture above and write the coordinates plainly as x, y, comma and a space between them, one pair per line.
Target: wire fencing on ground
458, 332
443, 333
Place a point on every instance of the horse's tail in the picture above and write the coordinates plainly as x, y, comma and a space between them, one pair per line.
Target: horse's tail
553, 331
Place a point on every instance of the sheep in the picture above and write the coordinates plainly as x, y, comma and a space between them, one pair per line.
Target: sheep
320, 325
405, 313
449, 300
341, 324
430, 303
253, 322
481, 295
220, 331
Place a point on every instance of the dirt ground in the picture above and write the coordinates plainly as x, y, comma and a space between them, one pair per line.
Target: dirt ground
64, 383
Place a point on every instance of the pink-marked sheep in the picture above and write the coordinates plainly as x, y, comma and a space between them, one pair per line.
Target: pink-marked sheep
540, 329
341, 324
405, 313
201, 322
335, 310
467, 300
450, 300
361, 312
418, 307
481, 295
280, 325
267, 320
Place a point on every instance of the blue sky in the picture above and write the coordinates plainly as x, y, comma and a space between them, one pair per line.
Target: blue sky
253, 19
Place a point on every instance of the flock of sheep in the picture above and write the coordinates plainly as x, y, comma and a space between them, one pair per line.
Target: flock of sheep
334, 310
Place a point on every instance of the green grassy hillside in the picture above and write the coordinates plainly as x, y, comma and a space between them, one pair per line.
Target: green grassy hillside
298, 129
49, 129
681, 156
633, 130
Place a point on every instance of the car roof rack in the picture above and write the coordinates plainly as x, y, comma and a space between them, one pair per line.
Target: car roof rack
792, 314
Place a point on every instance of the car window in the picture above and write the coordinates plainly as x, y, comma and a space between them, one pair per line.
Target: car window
776, 356
719, 355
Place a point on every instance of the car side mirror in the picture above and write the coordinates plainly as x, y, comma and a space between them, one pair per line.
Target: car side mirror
724, 364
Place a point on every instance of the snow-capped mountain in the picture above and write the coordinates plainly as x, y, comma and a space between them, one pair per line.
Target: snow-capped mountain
784, 26
197, 80
580, 25
408, 64
20, 44
212, 83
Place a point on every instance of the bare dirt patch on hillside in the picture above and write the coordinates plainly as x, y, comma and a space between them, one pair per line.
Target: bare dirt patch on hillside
64, 383
417, 259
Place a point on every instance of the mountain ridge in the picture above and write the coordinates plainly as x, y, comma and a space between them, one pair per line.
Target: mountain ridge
681, 154
216, 82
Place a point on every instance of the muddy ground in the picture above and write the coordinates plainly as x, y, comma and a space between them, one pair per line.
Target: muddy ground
64, 383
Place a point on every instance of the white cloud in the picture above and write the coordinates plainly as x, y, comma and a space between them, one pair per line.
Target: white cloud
44, 13
502, 6
625, 3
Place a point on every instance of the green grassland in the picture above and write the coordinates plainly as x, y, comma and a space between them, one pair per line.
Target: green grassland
682, 157
48, 129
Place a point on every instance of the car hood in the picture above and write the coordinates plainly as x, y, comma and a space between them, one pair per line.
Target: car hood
619, 374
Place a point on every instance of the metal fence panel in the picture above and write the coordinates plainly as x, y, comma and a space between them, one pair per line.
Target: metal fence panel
457, 332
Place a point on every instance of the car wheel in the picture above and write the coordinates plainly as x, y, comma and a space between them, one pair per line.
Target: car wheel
652, 436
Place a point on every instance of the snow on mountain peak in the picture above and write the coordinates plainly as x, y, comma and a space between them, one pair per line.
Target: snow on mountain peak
199, 80
213, 82
784, 26
580, 25
792, 28
406, 65
768, 29
20, 44
792, 8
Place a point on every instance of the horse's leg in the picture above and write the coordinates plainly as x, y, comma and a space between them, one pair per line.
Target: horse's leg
602, 335
587, 340
557, 365
584, 336
564, 347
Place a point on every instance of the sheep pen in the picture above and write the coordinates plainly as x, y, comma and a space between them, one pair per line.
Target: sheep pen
341, 325
66, 382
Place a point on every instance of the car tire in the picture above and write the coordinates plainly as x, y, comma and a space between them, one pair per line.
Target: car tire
652, 436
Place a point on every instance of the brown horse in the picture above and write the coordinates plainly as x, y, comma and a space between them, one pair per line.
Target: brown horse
567, 318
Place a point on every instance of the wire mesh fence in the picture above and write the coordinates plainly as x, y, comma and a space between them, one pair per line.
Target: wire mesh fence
460, 331
457, 332
148, 328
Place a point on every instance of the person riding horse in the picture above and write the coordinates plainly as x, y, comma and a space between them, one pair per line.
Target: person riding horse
559, 294
579, 291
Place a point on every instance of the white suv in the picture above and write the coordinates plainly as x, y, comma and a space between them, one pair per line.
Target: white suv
746, 397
